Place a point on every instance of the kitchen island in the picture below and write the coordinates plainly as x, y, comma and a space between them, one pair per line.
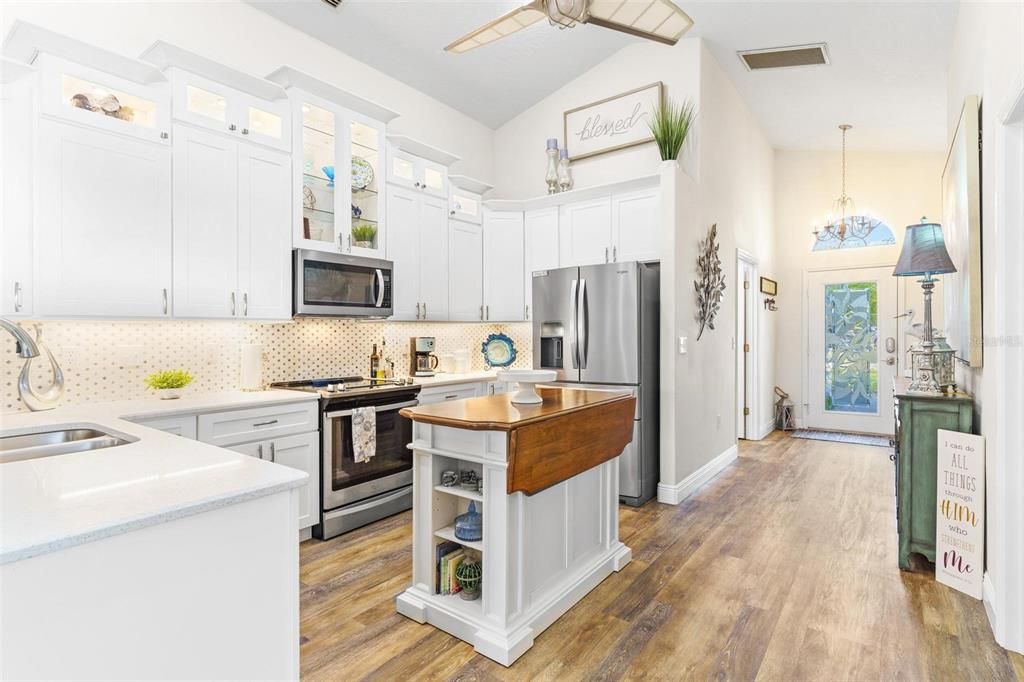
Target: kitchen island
549, 501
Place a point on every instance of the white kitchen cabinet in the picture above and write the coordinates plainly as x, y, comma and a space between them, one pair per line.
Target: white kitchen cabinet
205, 224
585, 232
231, 241
103, 227
504, 266
464, 205
419, 251
430, 395
540, 228
16, 166
465, 271
635, 226
339, 167
302, 452
178, 425
418, 166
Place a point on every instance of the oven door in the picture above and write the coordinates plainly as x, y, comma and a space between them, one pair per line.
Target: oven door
335, 285
346, 481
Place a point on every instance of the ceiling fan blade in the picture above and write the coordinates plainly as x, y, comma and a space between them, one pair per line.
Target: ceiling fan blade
658, 20
506, 24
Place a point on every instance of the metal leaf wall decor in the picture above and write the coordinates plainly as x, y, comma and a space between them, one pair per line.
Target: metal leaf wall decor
711, 285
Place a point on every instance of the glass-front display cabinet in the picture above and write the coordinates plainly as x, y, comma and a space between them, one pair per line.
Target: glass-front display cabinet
339, 159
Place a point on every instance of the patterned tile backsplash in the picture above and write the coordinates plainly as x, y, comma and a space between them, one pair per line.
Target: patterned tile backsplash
109, 360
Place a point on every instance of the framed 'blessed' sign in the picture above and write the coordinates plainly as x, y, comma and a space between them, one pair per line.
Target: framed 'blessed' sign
613, 123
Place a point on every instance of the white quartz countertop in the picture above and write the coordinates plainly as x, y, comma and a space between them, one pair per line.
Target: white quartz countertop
51, 503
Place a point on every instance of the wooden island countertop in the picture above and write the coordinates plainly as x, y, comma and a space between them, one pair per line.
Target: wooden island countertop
572, 431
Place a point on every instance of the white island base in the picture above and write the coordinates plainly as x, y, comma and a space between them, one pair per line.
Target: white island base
540, 553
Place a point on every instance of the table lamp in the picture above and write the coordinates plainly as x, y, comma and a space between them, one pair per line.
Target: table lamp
924, 255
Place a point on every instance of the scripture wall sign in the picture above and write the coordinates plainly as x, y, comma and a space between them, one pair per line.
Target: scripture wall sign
613, 123
960, 517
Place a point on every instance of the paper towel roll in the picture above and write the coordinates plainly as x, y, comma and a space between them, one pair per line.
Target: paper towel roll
252, 367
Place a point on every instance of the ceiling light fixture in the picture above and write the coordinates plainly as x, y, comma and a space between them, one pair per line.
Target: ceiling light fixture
658, 20
843, 223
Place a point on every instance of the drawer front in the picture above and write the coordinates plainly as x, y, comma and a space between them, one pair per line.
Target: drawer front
258, 423
440, 394
184, 425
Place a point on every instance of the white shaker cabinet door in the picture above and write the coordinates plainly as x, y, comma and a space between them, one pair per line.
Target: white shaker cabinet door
403, 250
585, 232
264, 234
205, 224
433, 234
301, 452
504, 267
635, 226
540, 228
465, 271
103, 233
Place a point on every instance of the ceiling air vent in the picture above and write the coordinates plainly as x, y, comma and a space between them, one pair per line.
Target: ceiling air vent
785, 57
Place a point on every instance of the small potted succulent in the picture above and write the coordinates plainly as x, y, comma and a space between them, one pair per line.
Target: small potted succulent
363, 235
168, 384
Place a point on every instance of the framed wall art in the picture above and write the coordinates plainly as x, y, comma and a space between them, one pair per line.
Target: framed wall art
612, 123
769, 286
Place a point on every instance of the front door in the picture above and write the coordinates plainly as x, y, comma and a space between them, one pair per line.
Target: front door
852, 349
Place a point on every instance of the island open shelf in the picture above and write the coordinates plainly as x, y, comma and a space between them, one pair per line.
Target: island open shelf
549, 504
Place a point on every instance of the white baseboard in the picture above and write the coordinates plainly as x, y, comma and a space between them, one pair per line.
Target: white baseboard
674, 493
988, 596
766, 430
1007, 637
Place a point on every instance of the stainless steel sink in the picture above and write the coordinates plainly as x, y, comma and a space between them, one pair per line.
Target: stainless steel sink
50, 441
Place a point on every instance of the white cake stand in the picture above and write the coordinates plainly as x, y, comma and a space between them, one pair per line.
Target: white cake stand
527, 379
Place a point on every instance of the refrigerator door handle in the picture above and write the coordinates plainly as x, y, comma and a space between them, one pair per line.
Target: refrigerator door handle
583, 320
573, 346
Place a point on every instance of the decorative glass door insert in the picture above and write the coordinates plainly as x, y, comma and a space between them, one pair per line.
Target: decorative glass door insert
851, 347
318, 174
366, 170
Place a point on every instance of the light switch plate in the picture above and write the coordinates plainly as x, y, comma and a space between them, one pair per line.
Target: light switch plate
682, 345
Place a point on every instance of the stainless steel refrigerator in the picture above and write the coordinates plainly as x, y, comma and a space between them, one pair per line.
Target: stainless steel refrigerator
597, 327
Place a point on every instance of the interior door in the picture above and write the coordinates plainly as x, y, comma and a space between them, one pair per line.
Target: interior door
205, 224
264, 239
434, 257
404, 251
852, 356
609, 319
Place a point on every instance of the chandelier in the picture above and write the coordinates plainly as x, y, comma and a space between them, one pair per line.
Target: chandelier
843, 224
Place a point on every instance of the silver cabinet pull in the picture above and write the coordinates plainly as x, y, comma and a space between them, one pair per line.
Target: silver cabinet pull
487, 312
606, 254
232, 303
417, 310
615, 253
17, 297
452, 396
273, 452
259, 449
232, 127
481, 312
527, 315
348, 240
266, 423
424, 310
165, 301
245, 303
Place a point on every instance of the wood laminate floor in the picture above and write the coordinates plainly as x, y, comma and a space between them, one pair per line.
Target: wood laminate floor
782, 568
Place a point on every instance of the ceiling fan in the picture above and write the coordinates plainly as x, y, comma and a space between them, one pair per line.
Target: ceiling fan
658, 20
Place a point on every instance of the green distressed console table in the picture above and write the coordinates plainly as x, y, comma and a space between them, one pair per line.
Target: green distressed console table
918, 419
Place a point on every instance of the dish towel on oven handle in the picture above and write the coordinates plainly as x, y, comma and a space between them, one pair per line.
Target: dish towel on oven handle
364, 433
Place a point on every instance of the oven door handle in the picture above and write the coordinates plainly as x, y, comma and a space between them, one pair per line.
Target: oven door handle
380, 289
378, 408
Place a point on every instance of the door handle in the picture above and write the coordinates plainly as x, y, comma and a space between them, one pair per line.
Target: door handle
487, 312
573, 346
266, 423
165, 302
584, 323
417, 310
481, 312
606, 254
424, 310
890, 361
380, 291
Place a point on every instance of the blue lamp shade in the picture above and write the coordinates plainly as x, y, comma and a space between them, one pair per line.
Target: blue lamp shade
924, 252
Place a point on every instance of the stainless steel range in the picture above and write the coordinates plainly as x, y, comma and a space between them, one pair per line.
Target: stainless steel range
352, 493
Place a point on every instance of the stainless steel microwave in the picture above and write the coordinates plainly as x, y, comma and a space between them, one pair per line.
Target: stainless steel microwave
336, 285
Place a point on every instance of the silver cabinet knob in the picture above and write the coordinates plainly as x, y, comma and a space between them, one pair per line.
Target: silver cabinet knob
232, 127
245, 131
164, 136
452, 211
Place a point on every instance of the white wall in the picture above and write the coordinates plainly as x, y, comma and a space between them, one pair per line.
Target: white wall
898, 188
519, 144
249, 40
988, 61
726, 179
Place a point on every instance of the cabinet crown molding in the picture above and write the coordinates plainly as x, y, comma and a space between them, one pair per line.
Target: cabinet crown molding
464, 182
25, 42
289, 77
574, 195
12, 70
423, 150
165, 56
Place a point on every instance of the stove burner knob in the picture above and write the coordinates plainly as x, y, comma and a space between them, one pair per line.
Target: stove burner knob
331, 388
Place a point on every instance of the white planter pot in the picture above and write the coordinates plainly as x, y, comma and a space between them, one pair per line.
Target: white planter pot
169, 393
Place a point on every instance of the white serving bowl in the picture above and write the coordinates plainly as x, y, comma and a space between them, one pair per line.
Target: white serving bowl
527, 380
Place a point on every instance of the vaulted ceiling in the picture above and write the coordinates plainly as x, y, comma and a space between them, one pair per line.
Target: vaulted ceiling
886, 75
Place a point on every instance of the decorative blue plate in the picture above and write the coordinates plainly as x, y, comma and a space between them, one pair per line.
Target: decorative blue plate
498, 350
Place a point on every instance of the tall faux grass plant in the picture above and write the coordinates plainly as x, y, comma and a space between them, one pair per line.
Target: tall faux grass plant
670, 126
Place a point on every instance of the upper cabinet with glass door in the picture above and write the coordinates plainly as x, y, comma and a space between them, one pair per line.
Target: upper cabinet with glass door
419, 166
465, 199
211, 95
339, 175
